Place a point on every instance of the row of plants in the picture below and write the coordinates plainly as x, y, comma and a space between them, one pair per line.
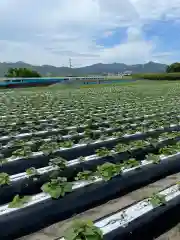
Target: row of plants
50, 149
59, 187
83, 104
94, 134
107, 170
94, 122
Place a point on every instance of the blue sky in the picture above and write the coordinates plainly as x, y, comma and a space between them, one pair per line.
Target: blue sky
117, 36
89, 31
168, 33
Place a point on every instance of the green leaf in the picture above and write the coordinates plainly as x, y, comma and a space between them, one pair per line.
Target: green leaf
107, 171
59, 162
83, 230
57, 187
157, 200
19, 202
4, 179
32, 171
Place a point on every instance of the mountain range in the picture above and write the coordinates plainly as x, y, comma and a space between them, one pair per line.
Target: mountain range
99, 68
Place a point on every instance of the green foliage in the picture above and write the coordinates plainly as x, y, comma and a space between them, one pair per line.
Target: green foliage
47, 148
85, 175
57, 187
168, 150
66, 144
173, 68
138, 144
83, 230
18, 201
131, 163
32, 172
21, 72
103, 152
23, 152
4, 179
59, 162
108, 170
120, 148
157, 200
159, 76
18, 142
2, 160
88, 133
153, 157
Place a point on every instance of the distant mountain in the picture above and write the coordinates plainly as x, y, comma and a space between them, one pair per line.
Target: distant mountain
99, 68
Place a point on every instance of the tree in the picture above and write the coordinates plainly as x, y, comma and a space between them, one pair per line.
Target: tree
21, 72
175, 67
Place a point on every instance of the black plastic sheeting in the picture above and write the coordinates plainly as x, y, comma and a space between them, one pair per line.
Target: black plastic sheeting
41, 161
28, 186
81, 129
150, 225
50, 211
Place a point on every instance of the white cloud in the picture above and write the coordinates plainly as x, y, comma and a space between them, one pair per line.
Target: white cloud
49, 32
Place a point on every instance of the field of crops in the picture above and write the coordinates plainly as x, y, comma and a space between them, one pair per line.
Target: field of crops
64, 152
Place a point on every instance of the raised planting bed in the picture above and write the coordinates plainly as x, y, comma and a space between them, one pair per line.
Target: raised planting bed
24, 184
45, 133
140, 220
86, 194
38, 159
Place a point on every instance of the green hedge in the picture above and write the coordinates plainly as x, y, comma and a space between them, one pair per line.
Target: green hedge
158, 76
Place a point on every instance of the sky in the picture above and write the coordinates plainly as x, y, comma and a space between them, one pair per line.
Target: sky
89, 31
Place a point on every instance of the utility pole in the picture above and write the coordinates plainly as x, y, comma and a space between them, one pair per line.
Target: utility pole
70, 64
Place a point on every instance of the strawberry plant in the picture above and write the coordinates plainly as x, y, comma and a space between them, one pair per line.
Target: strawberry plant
103, 152
154, 158
57, 187
66, 144
88, 133
138, 144
131, 163
18, 201
85, 175
85, 141
84, 230
18, 142
46, 148
4, 179
157, 200
117, 134
32, 172
23, 152
121, 148
59, 162
107, 171
168, 150
152, 141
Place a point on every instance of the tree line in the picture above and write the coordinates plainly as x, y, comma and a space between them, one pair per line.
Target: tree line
172, 73
21, 72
